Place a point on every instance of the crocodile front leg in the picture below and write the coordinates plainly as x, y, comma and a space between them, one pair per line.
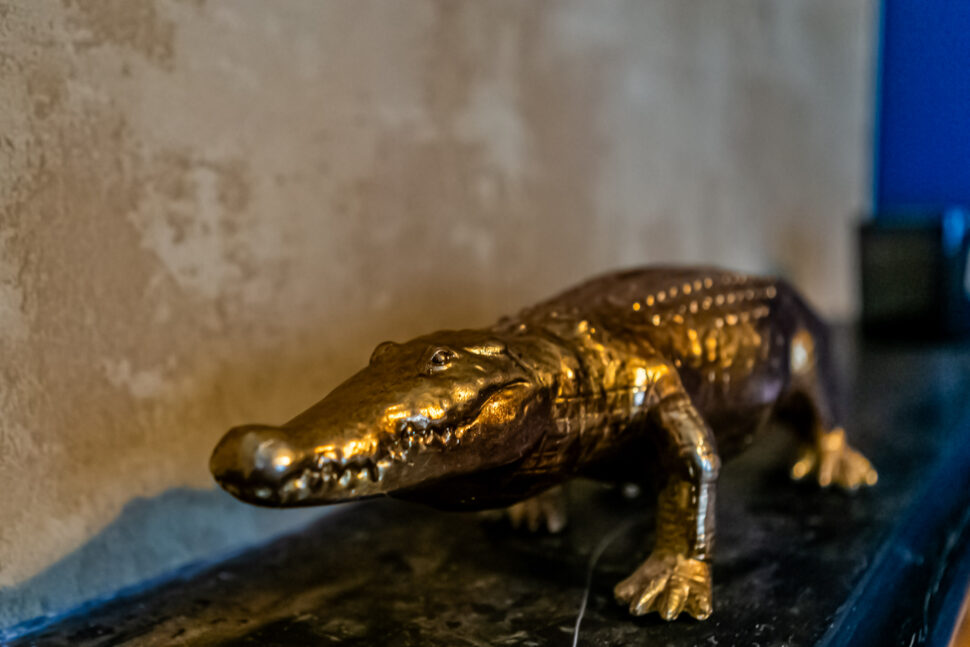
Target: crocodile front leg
676, 576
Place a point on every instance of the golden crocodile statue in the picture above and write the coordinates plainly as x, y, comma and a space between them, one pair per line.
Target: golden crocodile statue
655, 372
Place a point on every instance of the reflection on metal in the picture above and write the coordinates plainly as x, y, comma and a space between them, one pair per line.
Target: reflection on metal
632, 376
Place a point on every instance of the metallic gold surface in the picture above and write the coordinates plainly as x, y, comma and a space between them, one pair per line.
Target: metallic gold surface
646, 375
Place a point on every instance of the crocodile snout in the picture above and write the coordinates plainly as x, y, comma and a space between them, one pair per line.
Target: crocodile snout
255, 459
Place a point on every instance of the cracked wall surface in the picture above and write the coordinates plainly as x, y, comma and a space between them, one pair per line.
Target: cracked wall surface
210, 212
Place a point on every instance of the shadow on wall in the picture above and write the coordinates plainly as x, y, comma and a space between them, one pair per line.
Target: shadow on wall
185, 528
151, 540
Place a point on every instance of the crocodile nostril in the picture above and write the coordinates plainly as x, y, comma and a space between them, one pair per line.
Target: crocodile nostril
274, 456
252, 451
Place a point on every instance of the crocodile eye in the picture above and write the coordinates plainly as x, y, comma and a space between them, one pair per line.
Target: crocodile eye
442, 357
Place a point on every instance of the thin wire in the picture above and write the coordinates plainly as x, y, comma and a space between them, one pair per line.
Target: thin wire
593, 558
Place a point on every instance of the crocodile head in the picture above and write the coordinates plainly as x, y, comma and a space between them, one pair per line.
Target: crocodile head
439, 406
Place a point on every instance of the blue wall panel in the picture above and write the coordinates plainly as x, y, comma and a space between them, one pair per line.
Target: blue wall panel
923, 137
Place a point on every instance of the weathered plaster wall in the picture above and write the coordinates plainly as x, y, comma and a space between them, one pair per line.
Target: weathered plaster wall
211, 211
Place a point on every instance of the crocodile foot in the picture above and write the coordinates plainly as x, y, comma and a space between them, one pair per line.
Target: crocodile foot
668, 583
546, 509
833, 461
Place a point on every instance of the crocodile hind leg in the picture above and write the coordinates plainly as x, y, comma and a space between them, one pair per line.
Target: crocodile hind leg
676, 576
544, 511
834, 462
808, 408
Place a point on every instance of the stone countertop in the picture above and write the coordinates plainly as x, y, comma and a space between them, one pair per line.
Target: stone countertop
794, 565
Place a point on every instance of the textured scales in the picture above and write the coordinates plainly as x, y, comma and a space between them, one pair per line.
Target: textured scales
652, 375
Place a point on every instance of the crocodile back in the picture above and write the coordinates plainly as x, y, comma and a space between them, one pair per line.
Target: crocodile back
727, 334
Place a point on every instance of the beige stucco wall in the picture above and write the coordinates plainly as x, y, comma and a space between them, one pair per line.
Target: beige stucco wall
211, 211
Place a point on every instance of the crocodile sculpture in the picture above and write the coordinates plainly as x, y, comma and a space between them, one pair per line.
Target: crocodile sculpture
647, 376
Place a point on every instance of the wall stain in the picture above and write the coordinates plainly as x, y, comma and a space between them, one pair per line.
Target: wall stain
134, 26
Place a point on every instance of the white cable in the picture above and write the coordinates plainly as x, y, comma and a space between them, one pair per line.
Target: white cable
593, 558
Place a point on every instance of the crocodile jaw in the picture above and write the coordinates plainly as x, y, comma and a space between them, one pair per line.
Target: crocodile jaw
277, 467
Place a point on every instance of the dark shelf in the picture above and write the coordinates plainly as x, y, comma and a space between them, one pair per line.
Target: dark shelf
794, 565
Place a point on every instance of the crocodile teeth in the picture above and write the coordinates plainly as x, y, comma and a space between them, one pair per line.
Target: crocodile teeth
345, 479
297, 488
395, 450
380, 469
408, 436
314, 480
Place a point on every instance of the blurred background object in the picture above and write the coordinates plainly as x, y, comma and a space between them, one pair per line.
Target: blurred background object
915, 265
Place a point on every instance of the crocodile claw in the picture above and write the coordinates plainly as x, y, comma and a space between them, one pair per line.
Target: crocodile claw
668, 583
834, 462
546, 509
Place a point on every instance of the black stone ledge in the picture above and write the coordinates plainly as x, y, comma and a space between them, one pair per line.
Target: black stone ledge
794, 565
